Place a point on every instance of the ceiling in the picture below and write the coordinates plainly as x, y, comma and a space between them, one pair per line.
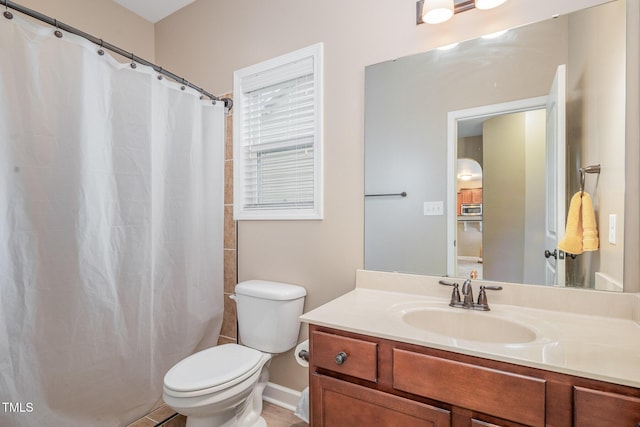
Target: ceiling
153, 10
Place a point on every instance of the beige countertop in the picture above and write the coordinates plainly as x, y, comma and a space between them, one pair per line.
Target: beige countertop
603, 346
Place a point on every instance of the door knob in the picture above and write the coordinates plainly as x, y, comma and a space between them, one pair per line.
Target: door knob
548, 253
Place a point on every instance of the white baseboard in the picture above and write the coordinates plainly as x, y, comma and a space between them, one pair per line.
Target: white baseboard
282, 396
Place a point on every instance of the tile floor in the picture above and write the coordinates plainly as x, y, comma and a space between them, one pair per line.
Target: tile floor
274, 415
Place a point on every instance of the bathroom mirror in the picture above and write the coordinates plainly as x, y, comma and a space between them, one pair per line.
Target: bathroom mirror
426, 111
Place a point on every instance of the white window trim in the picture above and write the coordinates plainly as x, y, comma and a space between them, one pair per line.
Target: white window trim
317, 212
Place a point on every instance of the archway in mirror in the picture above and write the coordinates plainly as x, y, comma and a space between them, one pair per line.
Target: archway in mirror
469, 205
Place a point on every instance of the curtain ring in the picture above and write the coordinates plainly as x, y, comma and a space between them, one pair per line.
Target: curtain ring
57, 32
133, 64
6, 13
160, 73
184, 82
101, 50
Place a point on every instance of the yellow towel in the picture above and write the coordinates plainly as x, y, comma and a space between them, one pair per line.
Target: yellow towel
581, 232
590, 240
572, 241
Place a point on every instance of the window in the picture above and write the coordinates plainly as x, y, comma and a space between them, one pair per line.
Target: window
277, 137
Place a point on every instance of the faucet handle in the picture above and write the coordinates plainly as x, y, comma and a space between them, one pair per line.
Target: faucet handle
482, 296
455, 294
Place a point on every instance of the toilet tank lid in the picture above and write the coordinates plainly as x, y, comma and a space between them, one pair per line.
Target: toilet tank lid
270, 290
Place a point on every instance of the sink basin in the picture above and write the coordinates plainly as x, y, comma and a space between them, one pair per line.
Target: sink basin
469, 325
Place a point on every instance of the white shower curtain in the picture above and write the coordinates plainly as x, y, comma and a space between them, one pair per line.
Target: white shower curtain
111, 210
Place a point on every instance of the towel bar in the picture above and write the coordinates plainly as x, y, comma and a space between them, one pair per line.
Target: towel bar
586, 170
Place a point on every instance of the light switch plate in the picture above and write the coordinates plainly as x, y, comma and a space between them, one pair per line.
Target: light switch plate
434, 208
612, 228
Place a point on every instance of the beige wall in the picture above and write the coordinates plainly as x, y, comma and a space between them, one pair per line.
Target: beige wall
104, 19
208, 40
596, 125
503, 197
535, 190
514, 197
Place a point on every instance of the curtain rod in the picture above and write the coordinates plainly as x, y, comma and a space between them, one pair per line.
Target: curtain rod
228, 103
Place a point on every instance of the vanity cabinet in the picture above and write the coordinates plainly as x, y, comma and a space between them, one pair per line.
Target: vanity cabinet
362, 380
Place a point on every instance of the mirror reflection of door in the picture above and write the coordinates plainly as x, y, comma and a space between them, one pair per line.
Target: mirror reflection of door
509, 236
555, 271
511, 192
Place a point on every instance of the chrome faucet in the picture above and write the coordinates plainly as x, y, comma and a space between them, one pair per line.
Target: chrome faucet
467, 296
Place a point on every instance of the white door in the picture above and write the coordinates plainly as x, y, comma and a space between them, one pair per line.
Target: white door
555, 179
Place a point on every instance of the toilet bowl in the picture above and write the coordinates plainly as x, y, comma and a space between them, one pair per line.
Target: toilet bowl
222, 386
209, 387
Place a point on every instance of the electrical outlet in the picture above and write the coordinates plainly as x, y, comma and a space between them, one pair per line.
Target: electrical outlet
434, 208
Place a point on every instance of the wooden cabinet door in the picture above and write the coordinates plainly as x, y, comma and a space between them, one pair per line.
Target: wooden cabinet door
337, 403
476, 195
599, 408
470, 195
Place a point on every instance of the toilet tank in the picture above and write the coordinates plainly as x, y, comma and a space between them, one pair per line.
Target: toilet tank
268, 314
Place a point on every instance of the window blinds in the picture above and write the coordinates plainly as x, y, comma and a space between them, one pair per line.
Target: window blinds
278, 139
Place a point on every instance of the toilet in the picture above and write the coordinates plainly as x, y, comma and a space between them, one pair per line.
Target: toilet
222, 386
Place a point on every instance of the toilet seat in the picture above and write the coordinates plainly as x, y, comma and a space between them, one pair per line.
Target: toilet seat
213, 369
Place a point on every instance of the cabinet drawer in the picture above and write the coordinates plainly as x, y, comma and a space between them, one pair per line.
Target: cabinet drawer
501, 394
599, 408
359, 359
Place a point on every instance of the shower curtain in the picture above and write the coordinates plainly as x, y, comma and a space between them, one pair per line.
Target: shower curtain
111, 206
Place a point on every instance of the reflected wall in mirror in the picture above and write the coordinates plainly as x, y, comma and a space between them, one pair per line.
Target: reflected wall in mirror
409, 148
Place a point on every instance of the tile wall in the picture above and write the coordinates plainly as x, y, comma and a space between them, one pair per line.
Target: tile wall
229, 332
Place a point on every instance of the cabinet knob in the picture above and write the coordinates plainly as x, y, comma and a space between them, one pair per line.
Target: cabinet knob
341, 358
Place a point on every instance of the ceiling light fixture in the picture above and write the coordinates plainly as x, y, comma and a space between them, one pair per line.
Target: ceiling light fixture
437, 11
488, 4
